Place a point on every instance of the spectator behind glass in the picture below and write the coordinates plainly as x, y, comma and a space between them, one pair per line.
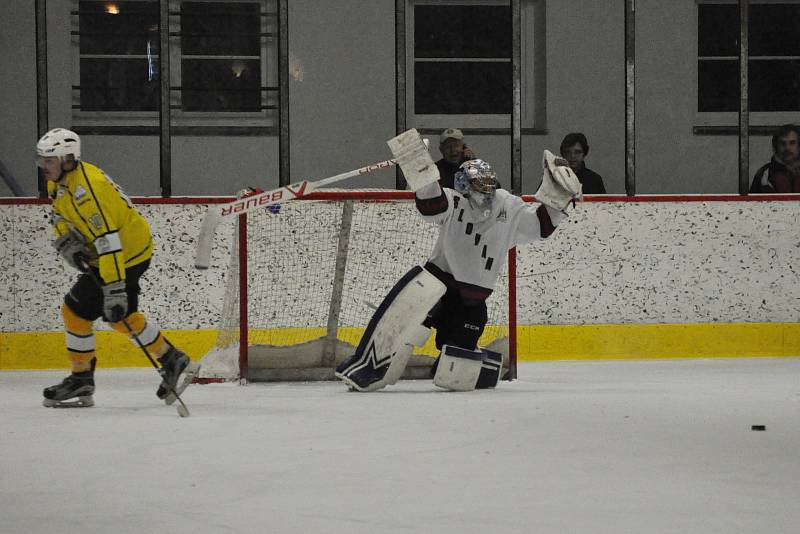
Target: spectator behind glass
454, 153
782, 173
574, 149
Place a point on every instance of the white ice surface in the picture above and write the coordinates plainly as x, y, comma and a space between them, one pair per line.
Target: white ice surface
571, 447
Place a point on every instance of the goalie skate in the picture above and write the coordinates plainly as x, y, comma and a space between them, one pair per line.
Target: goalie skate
177, 372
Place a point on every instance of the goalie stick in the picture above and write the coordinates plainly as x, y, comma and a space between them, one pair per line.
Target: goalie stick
216, 213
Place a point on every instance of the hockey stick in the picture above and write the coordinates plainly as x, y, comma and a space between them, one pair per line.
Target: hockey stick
216, 213
183, 411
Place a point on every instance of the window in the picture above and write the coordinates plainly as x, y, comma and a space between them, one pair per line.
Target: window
459, 63
462, 59
221, 56
118, 56
773, 67
223, 62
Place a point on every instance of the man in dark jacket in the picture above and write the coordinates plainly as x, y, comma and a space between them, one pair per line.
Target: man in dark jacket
782, 173
574, 148
454, 153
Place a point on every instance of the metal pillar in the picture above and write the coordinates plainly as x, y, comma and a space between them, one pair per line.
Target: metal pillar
400, 78
284, 174
516, 97
630, 83
744, 105
41, 82
165, 111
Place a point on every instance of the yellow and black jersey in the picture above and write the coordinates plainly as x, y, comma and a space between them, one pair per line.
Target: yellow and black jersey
88, 200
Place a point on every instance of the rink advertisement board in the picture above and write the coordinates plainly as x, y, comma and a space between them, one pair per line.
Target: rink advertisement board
642, 277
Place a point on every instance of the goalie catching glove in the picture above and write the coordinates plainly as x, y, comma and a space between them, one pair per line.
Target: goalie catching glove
559, 185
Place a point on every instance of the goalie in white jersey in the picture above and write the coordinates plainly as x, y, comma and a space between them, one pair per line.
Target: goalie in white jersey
479, 222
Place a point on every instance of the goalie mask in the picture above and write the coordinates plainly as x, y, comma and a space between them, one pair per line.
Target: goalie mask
476, 180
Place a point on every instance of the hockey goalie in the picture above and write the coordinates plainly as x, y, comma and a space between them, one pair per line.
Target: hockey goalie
478, 223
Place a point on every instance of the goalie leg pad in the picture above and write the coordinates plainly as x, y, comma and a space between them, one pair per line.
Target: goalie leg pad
393, 330
397, 365
491, 368
416, 338
459, 369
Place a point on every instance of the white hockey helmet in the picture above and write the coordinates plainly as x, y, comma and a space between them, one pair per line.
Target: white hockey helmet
476, 180
61, 143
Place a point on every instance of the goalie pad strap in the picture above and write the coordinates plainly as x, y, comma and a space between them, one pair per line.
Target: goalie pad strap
490, 369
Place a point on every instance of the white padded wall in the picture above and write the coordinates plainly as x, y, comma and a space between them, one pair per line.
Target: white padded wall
675, 262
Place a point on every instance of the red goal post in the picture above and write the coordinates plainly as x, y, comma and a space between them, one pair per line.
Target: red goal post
302, 284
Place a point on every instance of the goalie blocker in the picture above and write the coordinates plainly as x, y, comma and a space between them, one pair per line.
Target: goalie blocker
392, 333
411, 153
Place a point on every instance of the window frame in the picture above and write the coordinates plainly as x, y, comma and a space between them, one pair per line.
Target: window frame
532, 71
727, 118
266, 118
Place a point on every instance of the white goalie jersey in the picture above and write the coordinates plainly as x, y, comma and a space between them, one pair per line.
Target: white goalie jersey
472, 244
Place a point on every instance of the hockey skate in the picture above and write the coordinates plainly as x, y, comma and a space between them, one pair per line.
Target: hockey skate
75, 386
177, 372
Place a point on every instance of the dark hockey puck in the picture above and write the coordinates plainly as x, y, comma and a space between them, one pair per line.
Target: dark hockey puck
758, 427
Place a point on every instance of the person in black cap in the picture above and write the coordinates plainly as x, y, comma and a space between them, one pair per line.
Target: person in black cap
454, 153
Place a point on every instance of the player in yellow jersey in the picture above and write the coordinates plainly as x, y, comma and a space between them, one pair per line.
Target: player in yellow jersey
98, 229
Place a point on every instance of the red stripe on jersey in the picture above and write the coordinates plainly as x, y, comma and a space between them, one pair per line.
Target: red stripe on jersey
544, 221
472, 294
431, 206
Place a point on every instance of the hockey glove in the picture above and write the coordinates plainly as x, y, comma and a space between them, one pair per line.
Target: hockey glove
72, 247
115, 301
559, 183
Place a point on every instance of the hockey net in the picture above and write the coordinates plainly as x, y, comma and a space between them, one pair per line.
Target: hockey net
302, 285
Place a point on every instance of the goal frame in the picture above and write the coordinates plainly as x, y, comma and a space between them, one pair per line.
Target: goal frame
357, 195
